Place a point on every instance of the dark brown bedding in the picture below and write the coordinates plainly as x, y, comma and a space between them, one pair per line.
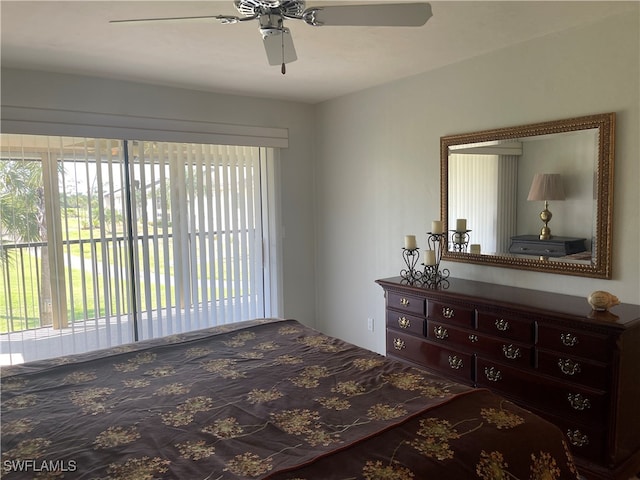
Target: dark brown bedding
262, 399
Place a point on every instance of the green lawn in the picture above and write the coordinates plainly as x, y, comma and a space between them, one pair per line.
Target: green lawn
85, 294
85, 285
85, 291
19, 303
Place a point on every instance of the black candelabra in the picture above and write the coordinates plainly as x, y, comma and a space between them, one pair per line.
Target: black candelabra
410, 274
431, 275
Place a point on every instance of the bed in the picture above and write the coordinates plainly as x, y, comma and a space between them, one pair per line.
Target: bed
267, 398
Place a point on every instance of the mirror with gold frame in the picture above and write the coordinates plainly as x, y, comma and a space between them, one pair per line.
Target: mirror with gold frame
487, 184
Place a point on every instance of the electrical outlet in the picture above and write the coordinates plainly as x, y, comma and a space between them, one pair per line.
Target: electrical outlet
370, 324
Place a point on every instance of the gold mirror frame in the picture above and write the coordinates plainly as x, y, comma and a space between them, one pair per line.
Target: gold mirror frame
600, 266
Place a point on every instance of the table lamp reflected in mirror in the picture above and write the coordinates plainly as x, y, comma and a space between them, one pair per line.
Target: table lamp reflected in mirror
545, 187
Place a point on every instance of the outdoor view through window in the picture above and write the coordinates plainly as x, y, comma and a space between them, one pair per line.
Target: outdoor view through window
106, 242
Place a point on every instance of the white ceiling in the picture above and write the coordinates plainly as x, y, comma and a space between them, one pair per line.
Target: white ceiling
76, 37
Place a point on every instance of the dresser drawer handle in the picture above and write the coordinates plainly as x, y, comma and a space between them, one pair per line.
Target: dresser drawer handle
511, 352
578, 401
404, 322
502, 325
399, 344
492, 374
455, 362
404, 302
568, 366
447, 312
440, 332
473, 338
568, 340
577, 438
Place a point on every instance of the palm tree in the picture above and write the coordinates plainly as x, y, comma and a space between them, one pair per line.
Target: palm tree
22, 218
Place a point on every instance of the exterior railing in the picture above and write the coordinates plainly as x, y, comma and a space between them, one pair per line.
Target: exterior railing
21, 290
21, 303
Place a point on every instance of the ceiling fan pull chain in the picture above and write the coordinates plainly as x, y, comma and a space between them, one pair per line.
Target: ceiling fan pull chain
283, 69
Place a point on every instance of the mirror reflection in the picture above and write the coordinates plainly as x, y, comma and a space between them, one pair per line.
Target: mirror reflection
490, 182
534, 197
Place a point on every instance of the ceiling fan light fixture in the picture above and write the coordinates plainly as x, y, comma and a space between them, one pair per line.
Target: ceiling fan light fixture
280, 48
270, 31
271, 24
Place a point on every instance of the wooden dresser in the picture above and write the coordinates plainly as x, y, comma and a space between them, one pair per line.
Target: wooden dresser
549, 353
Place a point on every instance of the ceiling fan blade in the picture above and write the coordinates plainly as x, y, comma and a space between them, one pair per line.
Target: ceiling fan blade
376, 15
279, 48
222, 18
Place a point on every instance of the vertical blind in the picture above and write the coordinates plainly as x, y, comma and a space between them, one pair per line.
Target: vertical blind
482, 190
138, 240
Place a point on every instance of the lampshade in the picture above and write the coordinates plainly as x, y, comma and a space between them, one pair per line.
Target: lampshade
546, 186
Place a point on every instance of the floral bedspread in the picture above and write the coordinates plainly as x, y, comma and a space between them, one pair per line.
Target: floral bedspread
262, 399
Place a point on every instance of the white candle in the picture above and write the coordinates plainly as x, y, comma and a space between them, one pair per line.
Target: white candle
475, 248
429, 257
436, 226
461, 225
410, 242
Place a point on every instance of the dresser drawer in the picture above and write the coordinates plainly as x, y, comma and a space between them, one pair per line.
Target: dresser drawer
508, 327
584, 441
574, 342
449, 362
407, 346
406, 322
582, 404
573, 369
407, 303
450, 335
450, 313
475, 342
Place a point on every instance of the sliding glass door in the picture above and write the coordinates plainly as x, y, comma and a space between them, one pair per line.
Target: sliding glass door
110, 241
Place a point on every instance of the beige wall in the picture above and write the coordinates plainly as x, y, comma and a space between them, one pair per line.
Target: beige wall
377, 175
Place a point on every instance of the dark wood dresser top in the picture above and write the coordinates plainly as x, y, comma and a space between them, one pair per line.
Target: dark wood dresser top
544, 303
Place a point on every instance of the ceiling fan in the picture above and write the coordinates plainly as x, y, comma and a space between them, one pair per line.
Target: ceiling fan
277, 38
